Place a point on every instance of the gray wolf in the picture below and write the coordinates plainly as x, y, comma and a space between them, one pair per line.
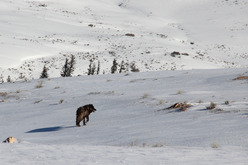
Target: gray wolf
83, 113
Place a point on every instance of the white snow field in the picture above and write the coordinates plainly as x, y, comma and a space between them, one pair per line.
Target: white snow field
206, 33
187, 51
132, 124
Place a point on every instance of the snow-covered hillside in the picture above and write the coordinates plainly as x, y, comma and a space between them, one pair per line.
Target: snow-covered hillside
206, 33
132, 124
195, 114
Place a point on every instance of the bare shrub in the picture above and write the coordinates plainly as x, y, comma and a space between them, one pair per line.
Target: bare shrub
134, 144
61, 101
94, 93
227, 102
91, 25
175, 53
133, 67
211, 106
38, 101
161, 102
145, 96
42, 5
158, 145
180, 92
104, 93
39, 85
218, 111
144, 145
18, 91
215, 145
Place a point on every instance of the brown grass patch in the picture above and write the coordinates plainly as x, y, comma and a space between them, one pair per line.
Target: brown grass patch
241, 78
180, 106
215, 145
3, 94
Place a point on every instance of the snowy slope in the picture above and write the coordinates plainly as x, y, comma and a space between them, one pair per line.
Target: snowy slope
131, 124
210, 33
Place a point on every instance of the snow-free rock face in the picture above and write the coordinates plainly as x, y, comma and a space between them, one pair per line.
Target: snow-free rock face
212, 34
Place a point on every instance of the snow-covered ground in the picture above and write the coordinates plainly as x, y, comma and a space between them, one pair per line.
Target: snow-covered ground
24, 154
207, 33
131, 124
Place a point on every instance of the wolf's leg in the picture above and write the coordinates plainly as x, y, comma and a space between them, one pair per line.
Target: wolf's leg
87, 119
84, 121
78, 120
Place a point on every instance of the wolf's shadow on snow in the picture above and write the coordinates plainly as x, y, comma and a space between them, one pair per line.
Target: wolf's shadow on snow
49, 129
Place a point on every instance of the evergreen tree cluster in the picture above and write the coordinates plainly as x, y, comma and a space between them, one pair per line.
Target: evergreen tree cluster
123, 67
114, 67
44, 73
69, 67
92, 68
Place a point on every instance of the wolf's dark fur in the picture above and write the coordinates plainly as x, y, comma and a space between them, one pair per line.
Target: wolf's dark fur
84, 112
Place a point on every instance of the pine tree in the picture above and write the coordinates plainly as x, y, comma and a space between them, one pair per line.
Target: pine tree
44, 73
93, 69
9, 79
98, 68
90, 68
69, 67
127, 67
114, 67
64, 72
122, 67
1, 79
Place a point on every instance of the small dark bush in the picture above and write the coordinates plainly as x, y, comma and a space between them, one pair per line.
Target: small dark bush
227, 102
42, 5
173, 54
130, 34
91, 25
211, 106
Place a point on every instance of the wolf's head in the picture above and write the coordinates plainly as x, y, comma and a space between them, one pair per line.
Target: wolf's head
92, 108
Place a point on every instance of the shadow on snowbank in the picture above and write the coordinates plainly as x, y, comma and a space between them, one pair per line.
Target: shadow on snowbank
49, 129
